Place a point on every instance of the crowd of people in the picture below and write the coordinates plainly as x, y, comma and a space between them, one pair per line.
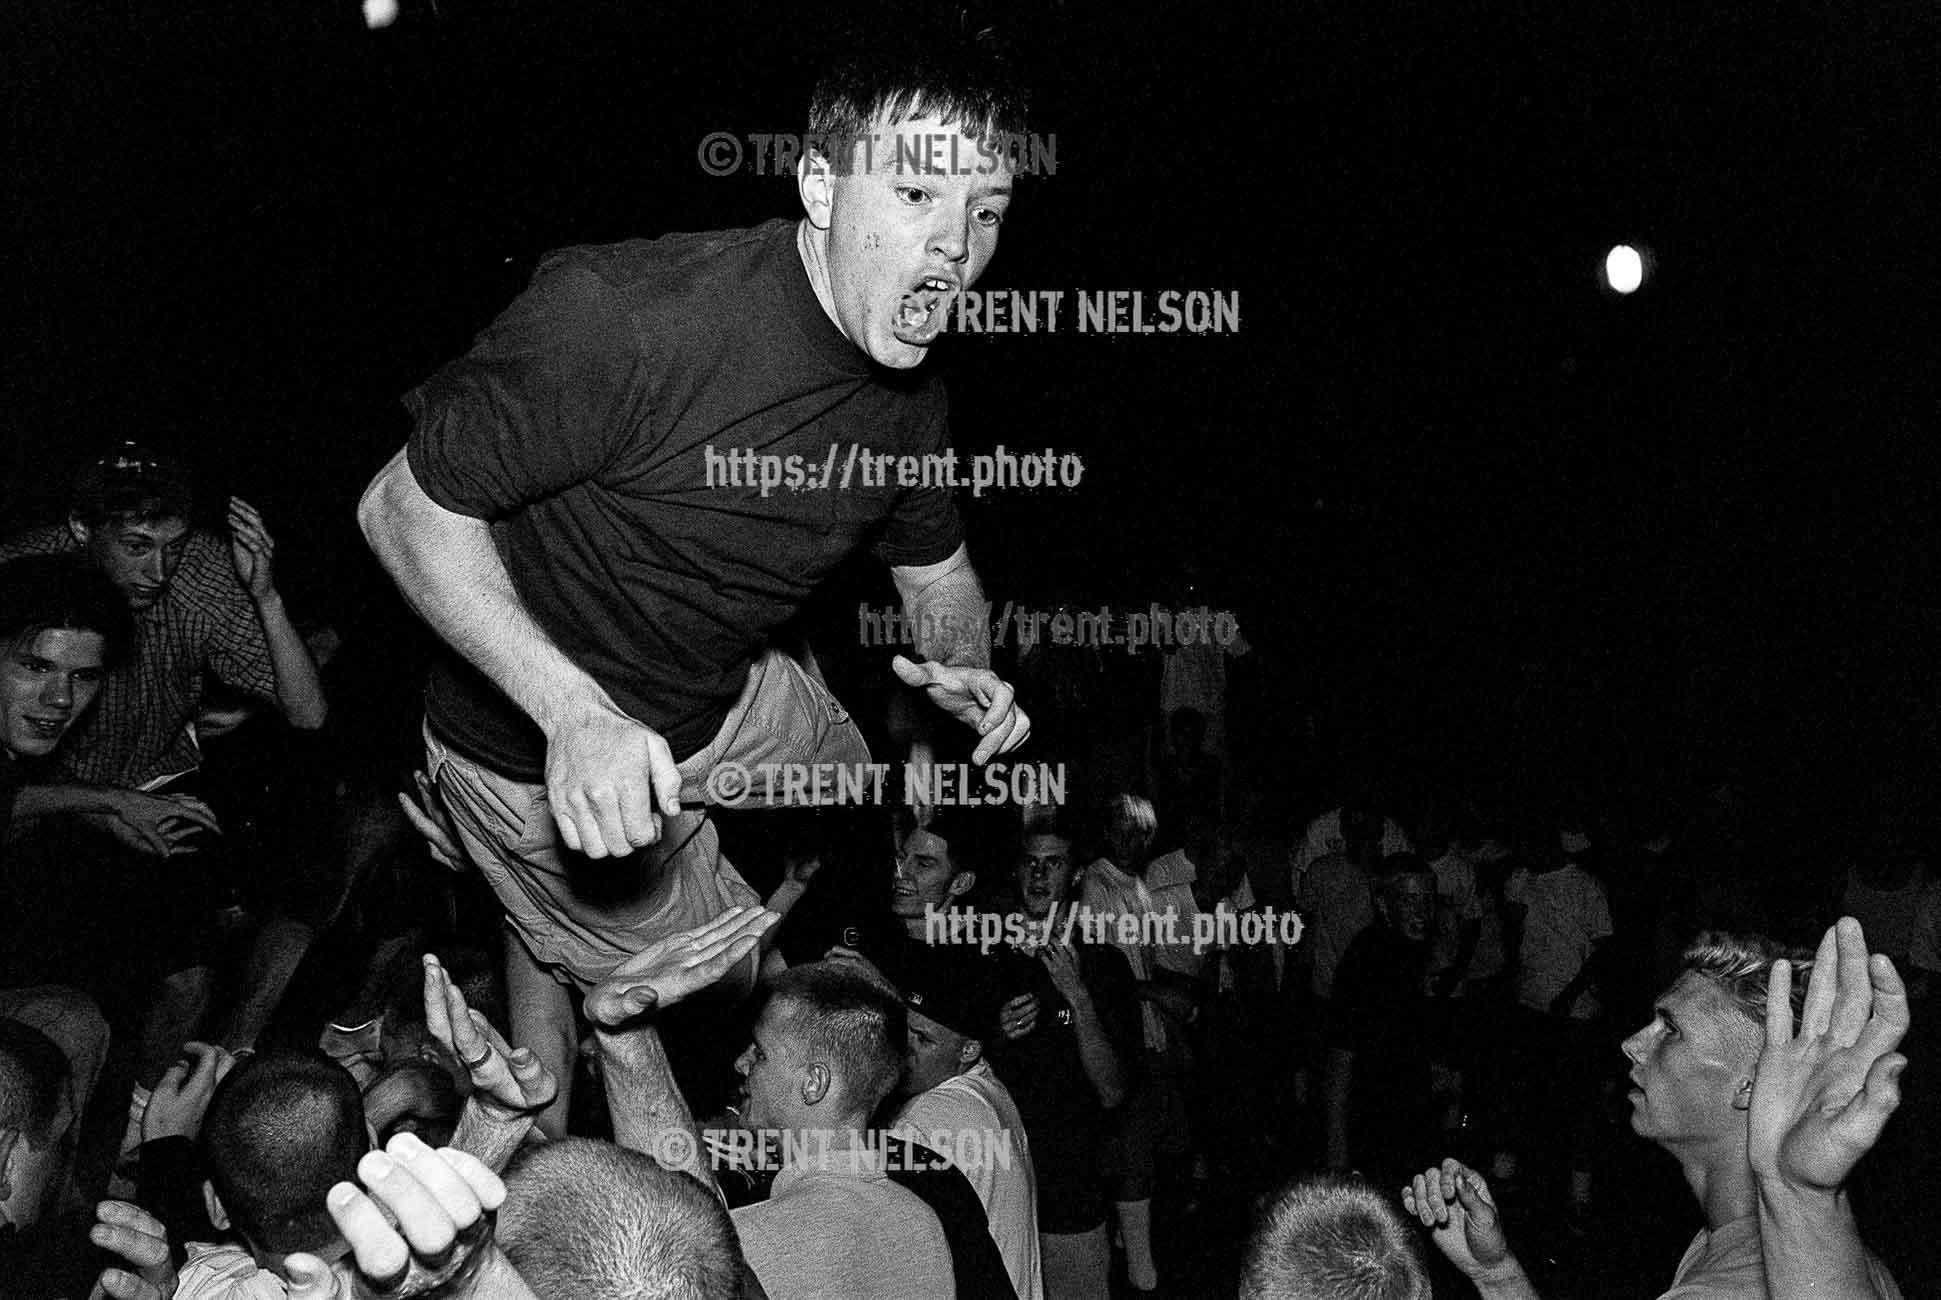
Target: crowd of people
286, 1013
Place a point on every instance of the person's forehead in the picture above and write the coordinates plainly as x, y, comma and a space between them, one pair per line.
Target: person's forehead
924, 1025
927, 148
68, 646
1695, 1002
163, 531
1047, 846
923, 846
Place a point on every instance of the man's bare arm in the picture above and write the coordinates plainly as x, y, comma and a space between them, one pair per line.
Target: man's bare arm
945, 604
608, 776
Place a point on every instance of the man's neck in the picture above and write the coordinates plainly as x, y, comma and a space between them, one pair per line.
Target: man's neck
1722, 1184
813, 245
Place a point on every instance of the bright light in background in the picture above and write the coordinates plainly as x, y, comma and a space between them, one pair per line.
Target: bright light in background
1624, 269
380, 13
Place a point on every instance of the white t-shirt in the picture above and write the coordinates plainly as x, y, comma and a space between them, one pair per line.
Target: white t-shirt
1565, 913
971, 1114
837, 1226
1324, 837
1726, 1264
223, 1272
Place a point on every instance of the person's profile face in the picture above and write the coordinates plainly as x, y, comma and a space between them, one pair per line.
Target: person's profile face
1409, 902
47, 681
912, 221
1689, 1065
140, 558
935, 1054
1044, 873
767, 1067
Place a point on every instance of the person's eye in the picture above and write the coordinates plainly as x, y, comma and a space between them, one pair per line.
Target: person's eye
88, 676
913, 194
989, 218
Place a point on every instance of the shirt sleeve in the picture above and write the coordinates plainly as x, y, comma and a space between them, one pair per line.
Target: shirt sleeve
924, 527
1597, 911
235, 648
547, 397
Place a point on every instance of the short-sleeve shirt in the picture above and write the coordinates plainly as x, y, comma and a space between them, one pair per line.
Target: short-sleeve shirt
600, 425
838, 1226
141, 729
972, 1118
1565, 913
1726, 1263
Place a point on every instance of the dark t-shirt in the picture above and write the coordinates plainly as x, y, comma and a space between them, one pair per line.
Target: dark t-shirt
581, 424
1063, 1120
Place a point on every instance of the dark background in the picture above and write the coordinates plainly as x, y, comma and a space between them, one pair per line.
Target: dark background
1466, 502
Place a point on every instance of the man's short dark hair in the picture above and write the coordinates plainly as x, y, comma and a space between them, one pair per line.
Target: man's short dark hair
132, 485
1328, 1237
848, 1020
587, 1220
283, 1129
38, 592
943, 67
33, 1077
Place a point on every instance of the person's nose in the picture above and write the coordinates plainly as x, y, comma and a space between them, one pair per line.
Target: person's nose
1633, 1047
58, 693
745, 1062
950, 236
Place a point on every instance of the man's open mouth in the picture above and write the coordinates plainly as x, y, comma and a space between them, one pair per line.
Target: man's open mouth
922, 312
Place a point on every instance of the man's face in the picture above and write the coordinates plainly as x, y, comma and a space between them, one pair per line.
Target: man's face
139, 558
910, 226
770, 1069
1409, 906
1044, 873
1690, 1063
924, 876
936, 1053
48, 681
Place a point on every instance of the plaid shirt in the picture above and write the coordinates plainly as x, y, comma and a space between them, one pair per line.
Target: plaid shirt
142, 729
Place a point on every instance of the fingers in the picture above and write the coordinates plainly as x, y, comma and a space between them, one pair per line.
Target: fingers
1821, 986
1853, 993
1779, 1004
439, 1015
1860, 1124
131, 1233
912, 673
123, 1285
310, 1278
196, 811
1889, 1022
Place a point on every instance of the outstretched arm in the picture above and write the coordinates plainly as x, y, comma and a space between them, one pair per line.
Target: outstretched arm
649, 1113
609, 777
1819, 1103
299, 690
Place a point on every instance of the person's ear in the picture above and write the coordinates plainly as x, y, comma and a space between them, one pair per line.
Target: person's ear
212, 1203
961, 883
970, 1053
1742, 1099
815, 181
78, 530
816, 1082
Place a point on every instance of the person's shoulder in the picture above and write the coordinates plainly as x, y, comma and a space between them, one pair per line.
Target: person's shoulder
666, 262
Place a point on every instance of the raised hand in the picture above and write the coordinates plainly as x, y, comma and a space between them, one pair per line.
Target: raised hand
1019, 1016
1061, 961
976, 697
139, 1238
610, 780
1821, 1097
182, 1094
252, 549
1454, 1201
678, 966
438, 1202
507, 1082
